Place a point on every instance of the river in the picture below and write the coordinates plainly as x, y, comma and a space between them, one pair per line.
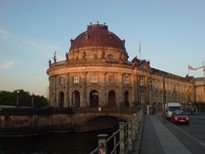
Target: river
69, 143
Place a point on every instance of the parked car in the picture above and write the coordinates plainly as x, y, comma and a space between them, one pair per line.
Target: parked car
170, 107
179, 117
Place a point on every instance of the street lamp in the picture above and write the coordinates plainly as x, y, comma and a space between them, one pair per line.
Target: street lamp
150, 92
32, 100
174, 94
164, 97
150, 96
17, 99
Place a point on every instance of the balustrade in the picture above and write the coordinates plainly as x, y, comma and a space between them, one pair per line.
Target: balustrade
122, 139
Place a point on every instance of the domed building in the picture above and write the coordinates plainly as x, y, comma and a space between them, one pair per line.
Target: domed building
97, 73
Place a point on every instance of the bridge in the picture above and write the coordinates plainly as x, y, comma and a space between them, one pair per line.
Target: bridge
65, 119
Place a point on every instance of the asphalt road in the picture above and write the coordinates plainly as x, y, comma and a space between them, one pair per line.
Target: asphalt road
193, 135
196, 127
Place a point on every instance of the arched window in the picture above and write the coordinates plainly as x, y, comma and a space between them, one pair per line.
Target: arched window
61, 99
61, 81
111, 99
111, 79
76, 99
126, 98
94, 98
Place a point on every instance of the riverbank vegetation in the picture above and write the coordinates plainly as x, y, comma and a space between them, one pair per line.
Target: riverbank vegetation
21, 98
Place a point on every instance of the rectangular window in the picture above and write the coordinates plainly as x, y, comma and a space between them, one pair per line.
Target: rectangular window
76, 79
62, 81
126, 80
142, 81
112, 79
93, 79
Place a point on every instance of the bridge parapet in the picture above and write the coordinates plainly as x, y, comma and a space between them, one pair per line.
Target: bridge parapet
125, 110
64, 118
127, 133
83, 115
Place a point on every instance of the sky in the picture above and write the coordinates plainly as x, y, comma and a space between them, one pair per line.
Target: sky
171, 32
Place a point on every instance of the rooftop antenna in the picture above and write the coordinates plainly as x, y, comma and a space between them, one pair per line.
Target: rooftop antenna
204, 69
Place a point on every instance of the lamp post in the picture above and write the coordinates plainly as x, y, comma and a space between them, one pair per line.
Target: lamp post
17, 98
150, 95
139, 89
164, 94
150, 92
32, 100
175, 93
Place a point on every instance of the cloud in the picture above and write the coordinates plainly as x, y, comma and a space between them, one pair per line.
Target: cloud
7, 65
4, 34
39, 45
31, 42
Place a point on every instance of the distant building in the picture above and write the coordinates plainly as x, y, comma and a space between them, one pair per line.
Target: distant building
200, 93
96, 73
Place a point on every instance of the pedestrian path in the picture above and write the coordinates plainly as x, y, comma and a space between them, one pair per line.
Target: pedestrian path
157, 139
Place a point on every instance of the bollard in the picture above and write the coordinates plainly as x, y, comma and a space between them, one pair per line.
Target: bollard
122, 144
102, 145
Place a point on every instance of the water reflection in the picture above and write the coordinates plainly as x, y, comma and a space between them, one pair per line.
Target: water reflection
81, 143
72, 143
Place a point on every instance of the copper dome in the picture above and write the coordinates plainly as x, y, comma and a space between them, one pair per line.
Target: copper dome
97, 35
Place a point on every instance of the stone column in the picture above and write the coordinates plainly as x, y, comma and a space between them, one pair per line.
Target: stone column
70, 84
85, 100
133, 90
49, 94
56, 92
121, 90
137, 89
67, 91
105, 93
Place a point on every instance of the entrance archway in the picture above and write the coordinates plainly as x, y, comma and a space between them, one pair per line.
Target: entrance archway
94, 98
61, 99
76, 99
126, 98
111, 99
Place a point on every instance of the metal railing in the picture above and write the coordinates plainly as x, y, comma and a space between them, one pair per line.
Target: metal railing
122, 138
113, 137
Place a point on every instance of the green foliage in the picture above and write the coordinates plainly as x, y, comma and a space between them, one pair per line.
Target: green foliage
22, 98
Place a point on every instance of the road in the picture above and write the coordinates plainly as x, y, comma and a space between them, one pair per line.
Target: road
196, 127
193, 135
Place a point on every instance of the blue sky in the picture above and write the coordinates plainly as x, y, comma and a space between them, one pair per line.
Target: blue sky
172, 34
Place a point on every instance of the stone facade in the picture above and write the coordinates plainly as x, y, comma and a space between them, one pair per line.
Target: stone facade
200, 90
96, 73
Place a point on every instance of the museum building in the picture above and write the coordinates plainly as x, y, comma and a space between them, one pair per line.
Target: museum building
96, 72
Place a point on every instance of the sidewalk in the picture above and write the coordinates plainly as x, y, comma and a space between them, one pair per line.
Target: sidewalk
157, 139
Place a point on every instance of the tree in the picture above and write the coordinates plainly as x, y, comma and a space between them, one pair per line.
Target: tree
22, 98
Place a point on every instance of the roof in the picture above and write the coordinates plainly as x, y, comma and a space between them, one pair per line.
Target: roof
97, 35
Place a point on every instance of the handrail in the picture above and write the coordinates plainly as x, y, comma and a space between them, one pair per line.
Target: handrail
127, 134
95, 150
109, 139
